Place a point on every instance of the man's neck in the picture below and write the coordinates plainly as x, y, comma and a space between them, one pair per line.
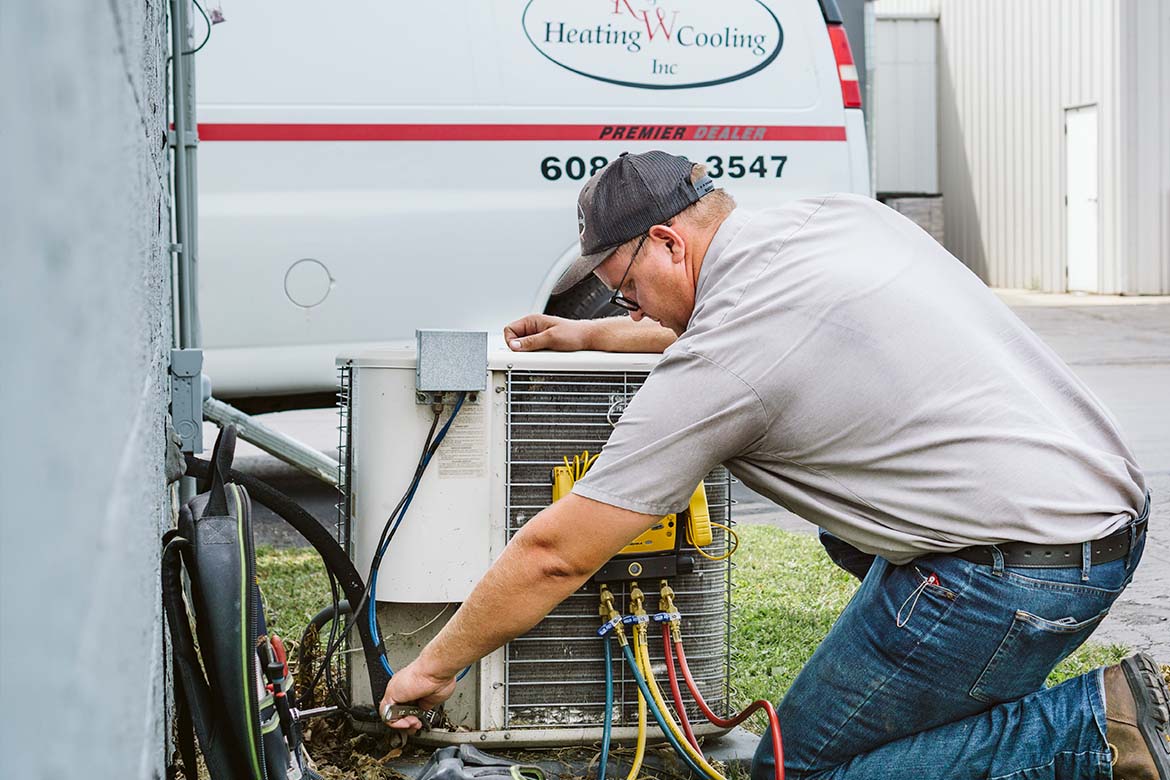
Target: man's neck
699, 245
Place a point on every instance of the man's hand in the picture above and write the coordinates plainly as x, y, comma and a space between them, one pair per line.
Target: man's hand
413, 686
543, 331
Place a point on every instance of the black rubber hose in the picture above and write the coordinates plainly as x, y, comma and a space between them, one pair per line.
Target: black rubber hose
326, 546
323, 618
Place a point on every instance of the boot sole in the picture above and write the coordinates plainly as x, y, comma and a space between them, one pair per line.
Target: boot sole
1153, 707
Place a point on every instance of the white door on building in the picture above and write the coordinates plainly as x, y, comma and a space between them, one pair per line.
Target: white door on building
1080, 162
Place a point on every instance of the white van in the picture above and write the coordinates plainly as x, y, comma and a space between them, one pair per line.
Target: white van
367, 168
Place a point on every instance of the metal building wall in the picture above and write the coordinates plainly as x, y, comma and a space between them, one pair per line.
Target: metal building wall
905, 104
912, 8
1007, 72
1145, 143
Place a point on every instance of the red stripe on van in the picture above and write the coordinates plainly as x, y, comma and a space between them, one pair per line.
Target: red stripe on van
350, 132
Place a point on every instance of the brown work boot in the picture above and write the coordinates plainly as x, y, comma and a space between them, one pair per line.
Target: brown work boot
1137, 714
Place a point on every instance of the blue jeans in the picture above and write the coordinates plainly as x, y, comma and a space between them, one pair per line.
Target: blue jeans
937, 669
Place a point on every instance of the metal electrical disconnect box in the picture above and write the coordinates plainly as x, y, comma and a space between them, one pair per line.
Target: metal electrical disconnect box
187, 397
450, 361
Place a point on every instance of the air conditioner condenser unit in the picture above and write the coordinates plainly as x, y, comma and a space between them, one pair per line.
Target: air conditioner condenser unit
491, 474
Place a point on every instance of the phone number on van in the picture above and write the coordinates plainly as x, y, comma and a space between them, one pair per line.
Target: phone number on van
734, 166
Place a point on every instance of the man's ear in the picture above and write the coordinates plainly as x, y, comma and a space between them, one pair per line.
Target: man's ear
675, 243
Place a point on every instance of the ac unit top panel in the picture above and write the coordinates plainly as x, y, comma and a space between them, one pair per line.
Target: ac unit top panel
403, 355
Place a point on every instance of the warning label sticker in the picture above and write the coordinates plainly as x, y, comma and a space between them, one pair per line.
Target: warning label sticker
464, 452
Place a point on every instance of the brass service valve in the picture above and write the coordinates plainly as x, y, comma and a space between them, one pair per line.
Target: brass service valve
610, 616
666, 604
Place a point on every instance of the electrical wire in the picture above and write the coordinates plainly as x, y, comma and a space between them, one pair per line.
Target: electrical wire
732, 543
335, 692
384, 545
427, 624
207, 21
334, 643
389, 529
613, 407
311, 636
735, 720
641, 652
206, 37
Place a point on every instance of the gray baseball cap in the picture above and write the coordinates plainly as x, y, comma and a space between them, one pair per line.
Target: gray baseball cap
626, 198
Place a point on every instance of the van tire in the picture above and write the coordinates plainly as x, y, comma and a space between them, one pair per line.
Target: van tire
587, 300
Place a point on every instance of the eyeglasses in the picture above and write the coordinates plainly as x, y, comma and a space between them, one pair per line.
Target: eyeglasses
617, 299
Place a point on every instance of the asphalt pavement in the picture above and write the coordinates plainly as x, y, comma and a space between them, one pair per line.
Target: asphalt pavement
1119, 346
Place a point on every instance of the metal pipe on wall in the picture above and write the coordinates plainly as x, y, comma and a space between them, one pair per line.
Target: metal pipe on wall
191, 152
179, 61
183, 112
186, 216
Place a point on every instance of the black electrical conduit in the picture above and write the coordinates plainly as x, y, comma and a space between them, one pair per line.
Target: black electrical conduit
335, 558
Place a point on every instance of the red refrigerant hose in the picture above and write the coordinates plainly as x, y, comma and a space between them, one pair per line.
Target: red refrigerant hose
735, 720
675, 692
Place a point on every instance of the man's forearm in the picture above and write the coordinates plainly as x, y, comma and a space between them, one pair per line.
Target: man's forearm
622, 334
523, 586
544, 563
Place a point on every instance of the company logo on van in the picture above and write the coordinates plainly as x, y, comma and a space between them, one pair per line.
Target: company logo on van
655, 44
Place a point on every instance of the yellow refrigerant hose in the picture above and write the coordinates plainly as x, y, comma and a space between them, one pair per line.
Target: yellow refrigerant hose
642, 656
640, 748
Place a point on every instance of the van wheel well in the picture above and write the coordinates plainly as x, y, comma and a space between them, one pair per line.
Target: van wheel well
587, 300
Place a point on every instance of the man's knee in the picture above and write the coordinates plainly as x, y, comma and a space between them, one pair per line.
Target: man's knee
764, 764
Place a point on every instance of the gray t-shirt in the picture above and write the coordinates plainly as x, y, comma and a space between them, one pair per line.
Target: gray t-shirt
842, 363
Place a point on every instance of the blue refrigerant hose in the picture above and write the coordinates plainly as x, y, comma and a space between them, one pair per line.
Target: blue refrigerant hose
638, 678
608, 727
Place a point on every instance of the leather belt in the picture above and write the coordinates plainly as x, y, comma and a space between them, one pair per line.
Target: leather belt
1055, 556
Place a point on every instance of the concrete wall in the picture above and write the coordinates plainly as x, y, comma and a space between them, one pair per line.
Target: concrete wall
84, 339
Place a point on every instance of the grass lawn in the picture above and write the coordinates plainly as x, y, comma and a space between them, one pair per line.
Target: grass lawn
781, 579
